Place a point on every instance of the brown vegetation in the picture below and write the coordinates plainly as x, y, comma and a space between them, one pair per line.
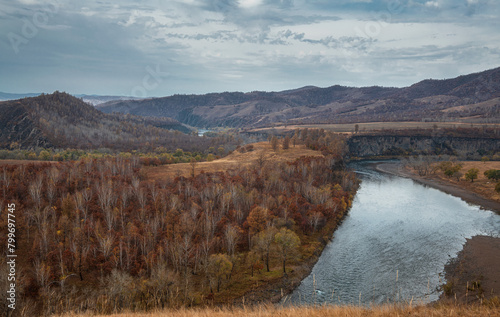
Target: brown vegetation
261, 153
369, 127
331, 311
60, 120
95, 234
471, 98
481, 186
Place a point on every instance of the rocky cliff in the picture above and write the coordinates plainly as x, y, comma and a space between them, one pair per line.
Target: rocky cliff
390, 145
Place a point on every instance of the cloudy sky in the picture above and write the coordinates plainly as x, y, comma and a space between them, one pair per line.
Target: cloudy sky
157, 48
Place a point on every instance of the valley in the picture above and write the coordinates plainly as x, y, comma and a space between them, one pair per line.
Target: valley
132, 210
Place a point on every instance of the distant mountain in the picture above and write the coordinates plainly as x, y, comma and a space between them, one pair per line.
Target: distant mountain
474, 98
62, 121
90, 99
97, 100
7, 96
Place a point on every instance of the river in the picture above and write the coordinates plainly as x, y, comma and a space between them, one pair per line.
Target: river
394, 244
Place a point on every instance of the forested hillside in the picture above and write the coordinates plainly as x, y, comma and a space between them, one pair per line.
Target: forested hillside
60, 120
97, 235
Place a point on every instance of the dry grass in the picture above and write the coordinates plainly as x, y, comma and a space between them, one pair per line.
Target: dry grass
233, 161
331, 311
481, 186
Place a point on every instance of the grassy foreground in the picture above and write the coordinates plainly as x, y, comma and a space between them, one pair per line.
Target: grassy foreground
333, 311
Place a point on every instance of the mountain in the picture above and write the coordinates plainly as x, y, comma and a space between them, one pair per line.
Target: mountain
60, 120
470, 98
97, 99
91, 99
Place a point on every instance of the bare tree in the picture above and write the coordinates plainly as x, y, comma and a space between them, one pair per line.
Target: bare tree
231, 236
193, 163
286, 143
105, 242
142, 198
107, 198
42, 273
35, 190
6, 180
51, 191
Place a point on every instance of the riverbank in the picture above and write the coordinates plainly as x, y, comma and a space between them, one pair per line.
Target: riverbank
398, 169
473, 276
278, 290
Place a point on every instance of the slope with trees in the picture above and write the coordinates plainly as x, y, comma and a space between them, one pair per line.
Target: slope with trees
60, 120
96, 234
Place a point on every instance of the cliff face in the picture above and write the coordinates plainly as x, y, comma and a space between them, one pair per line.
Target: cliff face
384, 145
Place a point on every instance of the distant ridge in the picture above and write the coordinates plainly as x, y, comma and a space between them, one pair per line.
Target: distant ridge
60, 120
8, 96
91, 99
469, 98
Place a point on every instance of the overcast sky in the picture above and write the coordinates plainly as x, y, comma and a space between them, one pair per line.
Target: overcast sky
157, 48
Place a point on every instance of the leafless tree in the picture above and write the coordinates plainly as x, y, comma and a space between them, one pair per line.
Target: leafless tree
107, 198
6, 180
231, 236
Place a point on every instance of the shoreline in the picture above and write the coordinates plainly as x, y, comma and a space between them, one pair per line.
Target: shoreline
479, 246
473, 276
470, 197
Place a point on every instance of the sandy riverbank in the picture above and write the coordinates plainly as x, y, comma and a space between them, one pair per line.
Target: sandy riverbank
473, 276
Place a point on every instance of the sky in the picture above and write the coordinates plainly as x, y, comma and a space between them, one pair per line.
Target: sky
148, 48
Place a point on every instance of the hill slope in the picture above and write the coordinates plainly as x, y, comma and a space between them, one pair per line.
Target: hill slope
429, 99
61, 120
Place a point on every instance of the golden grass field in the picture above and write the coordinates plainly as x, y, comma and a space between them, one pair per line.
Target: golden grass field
322, 311
234, 160
371, 126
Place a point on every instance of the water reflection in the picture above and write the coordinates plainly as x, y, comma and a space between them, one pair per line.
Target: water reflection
394, 244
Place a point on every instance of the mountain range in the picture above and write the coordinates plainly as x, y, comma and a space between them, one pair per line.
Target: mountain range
469, 98
91, 99
60, 120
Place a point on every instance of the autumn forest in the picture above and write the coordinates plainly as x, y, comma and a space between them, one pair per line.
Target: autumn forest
96, 234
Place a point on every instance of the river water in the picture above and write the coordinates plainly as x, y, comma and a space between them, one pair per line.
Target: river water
394, 244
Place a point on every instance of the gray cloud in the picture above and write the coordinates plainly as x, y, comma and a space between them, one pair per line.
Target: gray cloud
216, 45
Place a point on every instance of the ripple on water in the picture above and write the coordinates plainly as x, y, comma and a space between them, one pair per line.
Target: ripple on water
394, 243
